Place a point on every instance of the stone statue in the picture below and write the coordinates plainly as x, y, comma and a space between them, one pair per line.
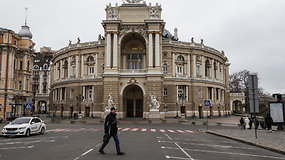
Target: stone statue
70, 43
78, 40
202, 41
113, 14
154, 104
153, 13
192, 40
110, 104
99, 37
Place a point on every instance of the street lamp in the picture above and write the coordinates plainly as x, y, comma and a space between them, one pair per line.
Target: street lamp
219, 110
79, 99
92, 110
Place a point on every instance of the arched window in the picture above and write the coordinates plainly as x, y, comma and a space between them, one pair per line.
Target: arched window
165, 69
90, 59
45, 66
36, 67
180, 64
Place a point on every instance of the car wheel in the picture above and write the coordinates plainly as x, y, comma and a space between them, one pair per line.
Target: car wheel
42, 130
28, 133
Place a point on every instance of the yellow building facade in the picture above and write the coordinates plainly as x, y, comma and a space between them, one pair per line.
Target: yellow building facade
16, 57
136, 58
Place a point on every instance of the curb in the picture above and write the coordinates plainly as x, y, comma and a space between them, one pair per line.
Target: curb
247, 142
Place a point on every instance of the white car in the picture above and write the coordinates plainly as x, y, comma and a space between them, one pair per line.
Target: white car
24, 126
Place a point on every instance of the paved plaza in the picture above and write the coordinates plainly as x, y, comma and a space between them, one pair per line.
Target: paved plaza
172, 140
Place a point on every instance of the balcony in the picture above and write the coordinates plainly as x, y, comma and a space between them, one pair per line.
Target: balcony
181, 76
133, 71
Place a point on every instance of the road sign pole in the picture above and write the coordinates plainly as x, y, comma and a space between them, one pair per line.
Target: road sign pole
207, 117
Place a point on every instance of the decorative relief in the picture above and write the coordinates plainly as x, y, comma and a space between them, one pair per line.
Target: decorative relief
113, 14
139, 29
153, 13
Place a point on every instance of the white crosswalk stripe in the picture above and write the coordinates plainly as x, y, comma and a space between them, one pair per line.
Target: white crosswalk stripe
143, 130
135, 129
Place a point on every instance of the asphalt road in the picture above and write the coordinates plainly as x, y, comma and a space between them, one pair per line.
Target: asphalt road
139, 141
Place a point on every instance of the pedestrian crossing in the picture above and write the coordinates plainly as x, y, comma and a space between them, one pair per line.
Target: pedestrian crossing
121, 130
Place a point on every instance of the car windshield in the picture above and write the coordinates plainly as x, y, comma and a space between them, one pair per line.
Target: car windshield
21, 120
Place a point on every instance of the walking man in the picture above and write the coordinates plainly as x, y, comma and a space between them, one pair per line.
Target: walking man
268, 121
111, 130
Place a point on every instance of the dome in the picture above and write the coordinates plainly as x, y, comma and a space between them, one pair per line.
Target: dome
166, 34
25, 32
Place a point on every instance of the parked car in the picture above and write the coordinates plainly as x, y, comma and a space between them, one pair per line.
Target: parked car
24, 126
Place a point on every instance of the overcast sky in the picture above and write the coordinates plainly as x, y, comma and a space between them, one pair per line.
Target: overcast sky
251, 32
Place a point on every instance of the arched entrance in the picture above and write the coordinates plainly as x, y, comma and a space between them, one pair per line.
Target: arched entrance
237, 106
133, 101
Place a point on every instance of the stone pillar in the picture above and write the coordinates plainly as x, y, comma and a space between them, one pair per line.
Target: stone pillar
69, 67
173, 65
203, 67
213, 69
150, 51
40, 82
77, 66
157, 51
108, 51
193, 66
96, 65
115, 51
124, 61
188, 66
82, 66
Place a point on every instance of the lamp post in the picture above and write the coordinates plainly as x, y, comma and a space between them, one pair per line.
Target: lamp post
219, 110
92, 110
80, 99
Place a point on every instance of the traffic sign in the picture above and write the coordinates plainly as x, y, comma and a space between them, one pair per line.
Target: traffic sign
28, 105
207, 103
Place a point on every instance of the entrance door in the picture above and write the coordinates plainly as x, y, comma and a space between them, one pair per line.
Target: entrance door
200, 111
133, 101
87, 111
130, 108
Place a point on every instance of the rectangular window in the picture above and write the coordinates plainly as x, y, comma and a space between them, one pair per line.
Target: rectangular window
198, 70
63, 94
181, 92
57, 94
27, 84
210, 93
21, 65
73, 71
200, 93
90, 93
165, 92
20, 85
179, 69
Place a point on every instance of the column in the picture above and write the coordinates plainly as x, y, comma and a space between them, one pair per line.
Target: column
77, 66
108, 51
150, 51
40, 82
187, 94
188, 66
82, 66
96, 65
124, 61
173, 65
115, 51
203, 67
213, 69
69, 67
61, 69
193, 68
83, 94
157, 51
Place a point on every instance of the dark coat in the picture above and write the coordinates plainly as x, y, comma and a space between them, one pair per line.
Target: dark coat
268, 120
110, 125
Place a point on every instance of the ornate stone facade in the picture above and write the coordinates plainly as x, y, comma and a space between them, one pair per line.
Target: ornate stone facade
137, 58
16, 59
